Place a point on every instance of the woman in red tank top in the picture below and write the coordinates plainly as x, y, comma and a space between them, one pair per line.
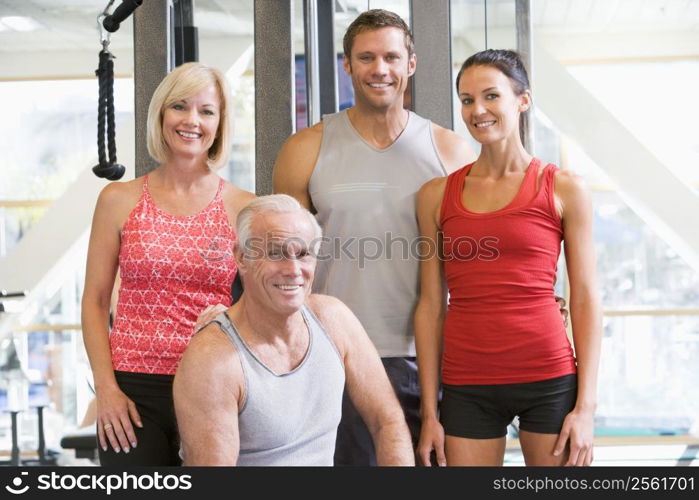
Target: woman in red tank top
170, 235
500, 345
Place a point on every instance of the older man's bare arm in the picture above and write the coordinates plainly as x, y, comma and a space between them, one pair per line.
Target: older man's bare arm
367, 382
208, 392
295, 163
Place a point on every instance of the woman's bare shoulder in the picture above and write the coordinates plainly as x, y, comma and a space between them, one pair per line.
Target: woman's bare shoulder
120, 196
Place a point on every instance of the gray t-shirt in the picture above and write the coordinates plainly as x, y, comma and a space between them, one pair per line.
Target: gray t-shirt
290, 419
365, 202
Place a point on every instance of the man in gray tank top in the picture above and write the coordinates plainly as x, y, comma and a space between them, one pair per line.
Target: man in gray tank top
360, 170
263, 383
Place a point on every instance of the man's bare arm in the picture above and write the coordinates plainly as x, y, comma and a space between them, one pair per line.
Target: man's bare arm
207, 391
366, 382
295, 163
454, 150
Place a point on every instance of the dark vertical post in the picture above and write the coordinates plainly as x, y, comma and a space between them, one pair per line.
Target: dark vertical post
41, 448
275, 100
152, 61
15, 458
432, 83
327, 57
524, 47
310, 36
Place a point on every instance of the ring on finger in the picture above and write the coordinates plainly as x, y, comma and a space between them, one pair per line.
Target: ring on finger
108, 426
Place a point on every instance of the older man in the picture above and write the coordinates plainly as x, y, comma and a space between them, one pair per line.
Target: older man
263, 384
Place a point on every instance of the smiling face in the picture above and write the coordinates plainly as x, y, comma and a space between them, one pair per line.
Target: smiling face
379, 66
278, 265
190, 125
490, 107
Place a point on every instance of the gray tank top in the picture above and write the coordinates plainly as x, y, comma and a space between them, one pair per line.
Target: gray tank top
290, 419
365, 202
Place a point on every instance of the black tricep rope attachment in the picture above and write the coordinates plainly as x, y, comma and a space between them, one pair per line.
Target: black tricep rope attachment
105, 120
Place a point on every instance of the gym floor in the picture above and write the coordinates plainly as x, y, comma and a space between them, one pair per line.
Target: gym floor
653, 451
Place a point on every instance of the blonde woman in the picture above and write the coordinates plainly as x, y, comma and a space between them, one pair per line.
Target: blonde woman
170, 235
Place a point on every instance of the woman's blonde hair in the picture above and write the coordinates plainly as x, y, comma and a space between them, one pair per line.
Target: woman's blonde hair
181, 83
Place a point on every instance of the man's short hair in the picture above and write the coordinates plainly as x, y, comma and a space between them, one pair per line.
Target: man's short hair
375, 19
276, 204
182, 83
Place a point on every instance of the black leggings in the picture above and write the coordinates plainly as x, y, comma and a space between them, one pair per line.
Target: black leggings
158, 439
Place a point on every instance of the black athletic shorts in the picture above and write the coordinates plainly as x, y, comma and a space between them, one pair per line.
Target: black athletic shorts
485, 411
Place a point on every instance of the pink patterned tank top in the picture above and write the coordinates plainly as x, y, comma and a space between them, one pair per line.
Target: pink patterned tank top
172, 267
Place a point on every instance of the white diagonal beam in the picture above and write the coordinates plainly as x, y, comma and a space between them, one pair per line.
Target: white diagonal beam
645, 183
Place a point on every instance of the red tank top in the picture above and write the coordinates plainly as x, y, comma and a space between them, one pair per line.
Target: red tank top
172, 267
503, 325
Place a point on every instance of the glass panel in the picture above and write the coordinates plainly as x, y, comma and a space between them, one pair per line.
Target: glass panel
625, 61
55, 370
648, 373
469, 20
16, 218
55, 144
57, 138
636, 268
345, 90
350, 9
226, 42
48, 93
668, 131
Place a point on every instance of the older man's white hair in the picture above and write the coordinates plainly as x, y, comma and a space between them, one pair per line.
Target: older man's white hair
276, 204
